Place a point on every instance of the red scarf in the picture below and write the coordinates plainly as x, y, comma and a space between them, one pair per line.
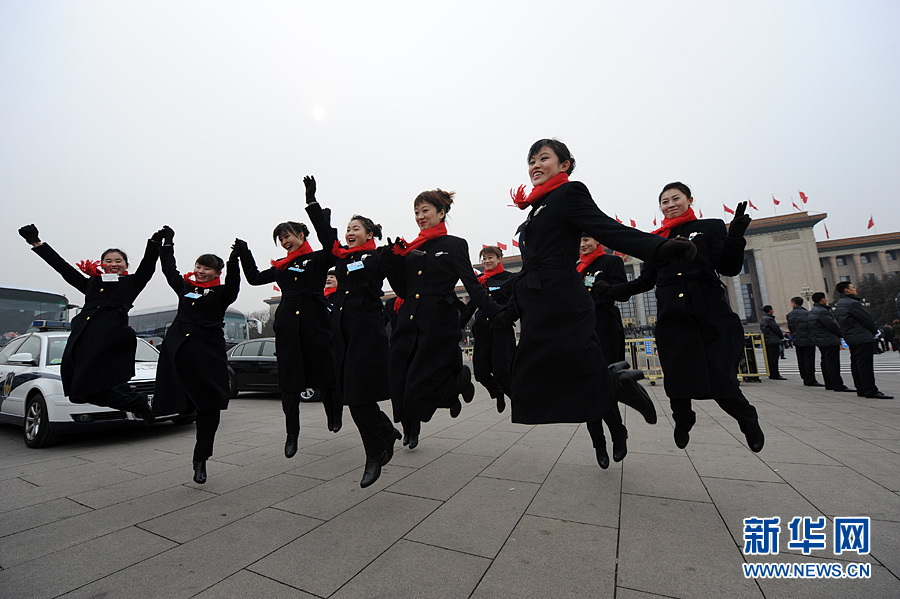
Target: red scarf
490, 273
300, 251
189, 278
341, 252
589, 259
398, 301
329, 291
92, 268
670, 223
538, 193
425, 235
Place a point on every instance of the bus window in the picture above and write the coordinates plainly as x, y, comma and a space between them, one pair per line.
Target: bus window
20, 306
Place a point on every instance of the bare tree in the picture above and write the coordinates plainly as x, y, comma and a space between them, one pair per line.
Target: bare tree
265, 317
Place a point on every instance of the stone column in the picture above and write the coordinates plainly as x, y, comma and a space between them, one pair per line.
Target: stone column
857, 265
738, 297
835, 278
761, 277
882, 261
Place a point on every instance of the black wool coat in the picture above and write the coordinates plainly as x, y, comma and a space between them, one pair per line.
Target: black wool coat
857, 324
302, 320
823, 327
360, 343
608, 317
426, 360
100, 351
193, 368
493, 351
798, 325
559, 373
699, 338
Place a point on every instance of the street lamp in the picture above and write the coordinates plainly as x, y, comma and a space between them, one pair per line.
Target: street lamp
806, 292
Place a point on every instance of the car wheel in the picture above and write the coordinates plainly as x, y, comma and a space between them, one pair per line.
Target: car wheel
310, 395
232, 385
37, 431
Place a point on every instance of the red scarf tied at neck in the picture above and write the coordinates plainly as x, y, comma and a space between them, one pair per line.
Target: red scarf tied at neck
189, 278
92, 268
589, 259
538, 193
424, 235
329, 291
300, 251
671, 223
398, 301
490, 273
340, 252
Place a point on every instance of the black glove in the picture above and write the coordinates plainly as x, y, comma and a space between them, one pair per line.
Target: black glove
739, 223
158, 236
235, 254
310, 182
30, 234
168, 235
600, 289
679, 249
386, 253
239, 246
502, 320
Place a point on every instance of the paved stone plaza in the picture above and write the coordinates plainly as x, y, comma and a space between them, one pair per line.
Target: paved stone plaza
482, 508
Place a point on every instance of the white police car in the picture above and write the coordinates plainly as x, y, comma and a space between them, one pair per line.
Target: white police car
32, 393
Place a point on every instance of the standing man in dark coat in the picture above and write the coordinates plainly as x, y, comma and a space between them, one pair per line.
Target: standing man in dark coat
193, 367
859, 330
826, 334
774, 338
804, 345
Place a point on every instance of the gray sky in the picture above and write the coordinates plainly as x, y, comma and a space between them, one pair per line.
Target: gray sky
117, 117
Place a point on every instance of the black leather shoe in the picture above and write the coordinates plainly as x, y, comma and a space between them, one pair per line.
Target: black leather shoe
845, 389
372, 471
414, 428
501, 403
290, 446
628, 391
755, 438
880, 395
814, 384
200, 472
455, 409
777, 378
682, 437
468, 387
602, 457
620, 445
406, 428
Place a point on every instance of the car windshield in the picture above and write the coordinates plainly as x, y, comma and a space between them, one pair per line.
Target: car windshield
145, 352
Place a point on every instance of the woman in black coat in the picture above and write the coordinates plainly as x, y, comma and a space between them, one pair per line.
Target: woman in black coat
361, 344
599, 271
559, 373
426, 369
193, 368
700, 340
98, 360
492, 350
302, 322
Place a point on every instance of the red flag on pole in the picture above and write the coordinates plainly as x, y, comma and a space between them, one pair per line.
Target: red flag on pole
618, 220
749, 203
502, 246
727, 209
871, 222
633, 224
515, 243
803, 196
794, 204
701, 212
827, 236
774, 201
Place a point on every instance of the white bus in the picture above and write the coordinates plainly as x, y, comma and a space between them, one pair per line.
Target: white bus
152, 324
20, 306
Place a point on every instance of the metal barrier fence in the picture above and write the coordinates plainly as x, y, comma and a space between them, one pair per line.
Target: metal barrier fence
642, 355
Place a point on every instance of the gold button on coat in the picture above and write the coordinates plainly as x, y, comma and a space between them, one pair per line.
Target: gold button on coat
680, 295
417, 296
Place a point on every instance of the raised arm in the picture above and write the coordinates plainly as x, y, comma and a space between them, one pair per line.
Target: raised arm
232, 283
147, 267
69, 273
729, 260
169, 268
251, 272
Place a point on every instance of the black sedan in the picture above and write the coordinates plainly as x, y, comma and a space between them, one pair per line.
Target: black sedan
252, 367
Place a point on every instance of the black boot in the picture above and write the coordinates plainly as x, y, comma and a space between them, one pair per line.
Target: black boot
200, 472
602, 456
755, 437
290, 446
501, 403
466, 386
620, 444
389, 452
407, 427
414, 428
334, 411
682, 436
372, 471
456, 408
627, 390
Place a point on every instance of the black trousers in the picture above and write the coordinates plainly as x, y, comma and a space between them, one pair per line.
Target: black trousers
375, 428
831, 366
806, 362
613, 420
737, 407
863, 369
772, 350
290, 405
120, 397
207, 425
